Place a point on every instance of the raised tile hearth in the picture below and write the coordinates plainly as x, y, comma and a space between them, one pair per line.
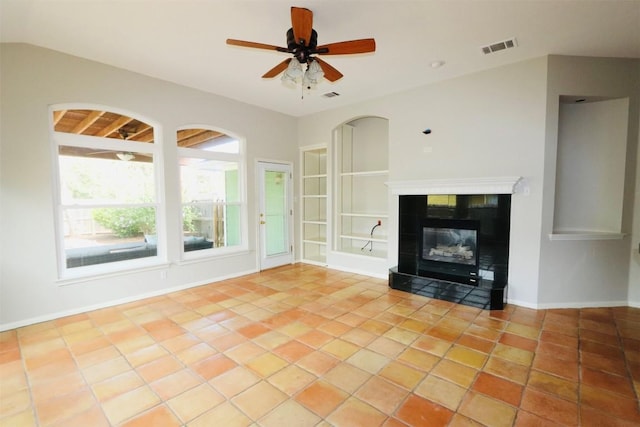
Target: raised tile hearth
488, 295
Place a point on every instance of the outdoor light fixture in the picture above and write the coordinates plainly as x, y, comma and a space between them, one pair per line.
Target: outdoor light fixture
125, 156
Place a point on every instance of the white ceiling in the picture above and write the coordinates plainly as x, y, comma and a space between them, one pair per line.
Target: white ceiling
184, 41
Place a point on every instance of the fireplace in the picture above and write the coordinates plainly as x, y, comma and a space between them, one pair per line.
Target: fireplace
448, 249
454, 247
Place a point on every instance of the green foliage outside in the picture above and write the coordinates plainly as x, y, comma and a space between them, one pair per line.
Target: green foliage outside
127, 222
130, 222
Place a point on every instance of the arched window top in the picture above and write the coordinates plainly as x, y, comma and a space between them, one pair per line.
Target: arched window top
208, 140
102, 124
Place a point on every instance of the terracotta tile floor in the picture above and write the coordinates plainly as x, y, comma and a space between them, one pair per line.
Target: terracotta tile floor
306, 346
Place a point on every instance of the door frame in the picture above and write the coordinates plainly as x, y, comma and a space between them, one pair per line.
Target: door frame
261, 247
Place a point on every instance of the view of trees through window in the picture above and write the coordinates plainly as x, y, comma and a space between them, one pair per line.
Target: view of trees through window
211, 202
108, 208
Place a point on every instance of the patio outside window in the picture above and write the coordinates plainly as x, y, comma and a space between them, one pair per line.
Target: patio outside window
211, 176
107, 199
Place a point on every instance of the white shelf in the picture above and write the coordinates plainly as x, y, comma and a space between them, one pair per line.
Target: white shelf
586, 235
315, 221
361, 196
314, 205
364, 237
366, 173
364, 215
321, 240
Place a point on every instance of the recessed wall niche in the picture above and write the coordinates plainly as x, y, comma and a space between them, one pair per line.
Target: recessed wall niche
590, 168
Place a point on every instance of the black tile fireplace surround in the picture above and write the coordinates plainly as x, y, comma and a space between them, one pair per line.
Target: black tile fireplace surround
491, 212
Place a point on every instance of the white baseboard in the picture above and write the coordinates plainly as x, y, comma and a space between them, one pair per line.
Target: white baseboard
356, 271
580, 304
522, 303
85, 309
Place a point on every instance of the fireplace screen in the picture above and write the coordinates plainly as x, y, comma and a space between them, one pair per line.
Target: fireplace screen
452, 245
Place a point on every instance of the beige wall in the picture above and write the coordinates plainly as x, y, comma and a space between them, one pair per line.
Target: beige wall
588, 272
32, 79
489, 124
502, 122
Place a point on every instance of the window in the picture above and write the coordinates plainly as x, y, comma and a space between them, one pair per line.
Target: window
211, 176
107, 210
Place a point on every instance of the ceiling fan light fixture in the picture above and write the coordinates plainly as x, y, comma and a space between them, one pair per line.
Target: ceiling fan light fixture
302, 43
125, 156
293, 71
313, 75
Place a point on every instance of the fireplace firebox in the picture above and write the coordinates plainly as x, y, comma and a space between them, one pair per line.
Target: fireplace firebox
448, 249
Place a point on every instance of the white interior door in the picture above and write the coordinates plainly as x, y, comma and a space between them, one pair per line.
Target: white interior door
275, 215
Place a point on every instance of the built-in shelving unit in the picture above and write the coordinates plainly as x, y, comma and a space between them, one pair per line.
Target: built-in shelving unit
314, 205
361, 194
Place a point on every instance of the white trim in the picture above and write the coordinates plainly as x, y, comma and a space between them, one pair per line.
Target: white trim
57, 315
487, 185
212, 256
586, 235
581, 304
288, 167
357, 271
156, 149
521, 303
239, 159
312, 147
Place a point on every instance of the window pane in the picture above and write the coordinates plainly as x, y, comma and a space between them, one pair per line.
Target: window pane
208, 140
103, 235
102, 124
210, 181
100, 177
210, 225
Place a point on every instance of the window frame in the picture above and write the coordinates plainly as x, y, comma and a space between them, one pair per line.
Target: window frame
154, 149
238, 158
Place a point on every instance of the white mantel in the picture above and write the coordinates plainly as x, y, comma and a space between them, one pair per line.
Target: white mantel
490, 185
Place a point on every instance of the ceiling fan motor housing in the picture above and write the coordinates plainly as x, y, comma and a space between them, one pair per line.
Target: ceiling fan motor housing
300, 50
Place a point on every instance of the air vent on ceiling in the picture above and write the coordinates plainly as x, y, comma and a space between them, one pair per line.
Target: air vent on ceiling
331, 94
502, 45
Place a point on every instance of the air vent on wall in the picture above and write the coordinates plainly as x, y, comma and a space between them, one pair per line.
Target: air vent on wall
501, 45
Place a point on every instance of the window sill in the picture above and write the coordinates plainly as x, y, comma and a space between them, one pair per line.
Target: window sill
586, 235
195, 257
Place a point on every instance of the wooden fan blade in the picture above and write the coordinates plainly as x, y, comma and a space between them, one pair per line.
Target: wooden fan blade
256, 45
277, 69
345, 48
302, 23
330, 73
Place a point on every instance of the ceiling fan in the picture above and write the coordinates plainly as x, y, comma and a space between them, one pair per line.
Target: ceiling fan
302, 42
